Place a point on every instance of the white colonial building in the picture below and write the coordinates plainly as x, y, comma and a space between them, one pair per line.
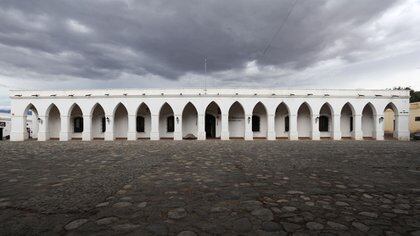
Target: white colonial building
214, 113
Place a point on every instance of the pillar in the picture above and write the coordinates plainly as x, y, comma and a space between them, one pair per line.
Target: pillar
271, 132
402, 126
224, 135
315, 127
87, 128
132, 129
178, 127
154, 129
249, 135
43, 132
18, 129
357, 127
336, 127
293, 134
378, 128
109, 129
65, 128
201, 127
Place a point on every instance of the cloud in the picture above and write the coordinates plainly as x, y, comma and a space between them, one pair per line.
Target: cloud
50, 44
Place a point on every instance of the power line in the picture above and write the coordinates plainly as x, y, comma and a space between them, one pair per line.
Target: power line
279, 29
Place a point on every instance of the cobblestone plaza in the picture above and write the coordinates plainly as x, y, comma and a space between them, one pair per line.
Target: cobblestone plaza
210, 187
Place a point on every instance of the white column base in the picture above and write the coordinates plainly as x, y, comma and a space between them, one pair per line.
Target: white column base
249, 135
357, 135
154, 136
64, 136
109, 136
336, 135
17, 136
271, 135
293, 136
131, 136
42, 136
378, 136
177, 136
201, 136
87, 136
224, 135
403, 135
315, 135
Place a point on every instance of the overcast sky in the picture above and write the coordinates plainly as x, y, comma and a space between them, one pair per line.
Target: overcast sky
160, 44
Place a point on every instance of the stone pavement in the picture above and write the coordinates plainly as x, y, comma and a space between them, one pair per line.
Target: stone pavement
210, 188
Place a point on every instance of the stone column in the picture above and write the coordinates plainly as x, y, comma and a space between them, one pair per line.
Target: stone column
293, 134
357, 127
87, 128
402, 131
315, 127
271, 132
109, 128
65, 128
378, 129
336, 127
154, 127
178, 127
43, 132
201, 128
132, 129
224, 135
249, 135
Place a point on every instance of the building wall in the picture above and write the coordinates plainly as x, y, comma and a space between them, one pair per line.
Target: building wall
236, 108
414, 112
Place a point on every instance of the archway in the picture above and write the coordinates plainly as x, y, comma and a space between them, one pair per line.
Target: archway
390, 122
189, 122
236, 121
213, 122
120, 122
259, 121
143, 122
76, 122
98, 122
166, 122
325, 121
368, 121
304, 124
30, 124
347, 121
282, 121
54, 122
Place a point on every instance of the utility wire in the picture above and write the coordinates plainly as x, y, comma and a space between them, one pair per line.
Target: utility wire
279, 29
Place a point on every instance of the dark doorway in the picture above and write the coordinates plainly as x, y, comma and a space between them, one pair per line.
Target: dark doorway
1, 133
210, 126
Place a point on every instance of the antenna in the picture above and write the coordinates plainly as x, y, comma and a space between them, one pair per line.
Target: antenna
205, 74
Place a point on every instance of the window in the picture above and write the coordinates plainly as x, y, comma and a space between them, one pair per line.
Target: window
78, 125
140, 124
351, 123
417, 118
255, 123
323, 123
170, 126
286, 124
103, 125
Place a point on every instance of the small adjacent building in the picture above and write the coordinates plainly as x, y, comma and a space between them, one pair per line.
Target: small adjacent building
178, 114
5, 126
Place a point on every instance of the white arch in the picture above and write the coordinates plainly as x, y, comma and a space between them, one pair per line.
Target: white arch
165, 112
263, 118
236, 120
189, 121
304, 120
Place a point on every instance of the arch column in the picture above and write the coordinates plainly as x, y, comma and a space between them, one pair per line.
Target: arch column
178, 127
42, 132
357, 127
402, 129
315, 127
293, 134
87, 128
18, 129
109, 130
201, 132
378, 132
132, 131
65, 126
336, 126
249, 135
271, 133
224, 135
154, 129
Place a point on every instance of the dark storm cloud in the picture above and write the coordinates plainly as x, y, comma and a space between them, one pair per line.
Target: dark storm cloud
102, 39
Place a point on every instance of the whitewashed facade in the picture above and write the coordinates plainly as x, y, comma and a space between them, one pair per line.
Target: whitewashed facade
213, 113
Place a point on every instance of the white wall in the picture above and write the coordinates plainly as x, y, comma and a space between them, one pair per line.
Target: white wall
165, 112
212, 109
367, 122
345, 119
121, 122
97, 115
326, 111
189, 120
54, 123
281, 113
75, 112
236, 121
304, 121
145, 112
260, 111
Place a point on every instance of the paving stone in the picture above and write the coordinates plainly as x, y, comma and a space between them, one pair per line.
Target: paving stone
187, 233
242, 225
290, 227
158, 229
263, 214
314, 226
360, 226
369, 214
122, 204
75, 224
271, 226
125, 227
177, 213
106, 221
142, 205
336, 226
